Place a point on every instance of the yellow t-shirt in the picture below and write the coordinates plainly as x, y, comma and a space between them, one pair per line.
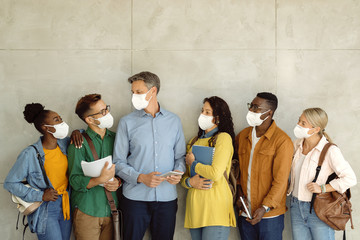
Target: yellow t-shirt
56, 166
213, 207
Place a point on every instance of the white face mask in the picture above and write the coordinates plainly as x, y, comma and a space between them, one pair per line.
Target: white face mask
139, 101
254, 119
301, 132
106, 121
205, 122
61, 130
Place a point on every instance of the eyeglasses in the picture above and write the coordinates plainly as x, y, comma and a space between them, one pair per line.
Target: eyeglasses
253, 106
102, 112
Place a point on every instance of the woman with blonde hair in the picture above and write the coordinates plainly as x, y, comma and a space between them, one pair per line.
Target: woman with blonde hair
311, 139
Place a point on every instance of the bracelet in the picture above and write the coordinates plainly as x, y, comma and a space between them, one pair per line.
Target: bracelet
323, 188
120, 183
187, 182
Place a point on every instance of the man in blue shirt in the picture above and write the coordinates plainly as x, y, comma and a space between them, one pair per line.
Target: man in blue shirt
149, 142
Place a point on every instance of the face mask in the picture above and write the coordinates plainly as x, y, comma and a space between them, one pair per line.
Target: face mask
301, 132
106, 121
61, 130
205, 122
254, 119
139, 101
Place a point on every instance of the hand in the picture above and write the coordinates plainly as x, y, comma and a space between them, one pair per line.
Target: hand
106, 174
76, 138
258, 215
174, 179
151, 180
50, 194
313, 187
200, 183
112, 186
190, 158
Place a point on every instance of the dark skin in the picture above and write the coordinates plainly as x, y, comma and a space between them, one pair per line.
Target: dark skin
50, 142
260, 105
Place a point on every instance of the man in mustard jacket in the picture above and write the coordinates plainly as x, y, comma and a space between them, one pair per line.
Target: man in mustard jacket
265, 154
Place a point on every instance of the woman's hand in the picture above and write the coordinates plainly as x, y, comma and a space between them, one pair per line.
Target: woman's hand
76, 138
200, 183
313, 187
50, 195
190, 158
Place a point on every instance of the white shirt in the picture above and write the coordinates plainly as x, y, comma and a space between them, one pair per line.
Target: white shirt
254, 141
334, 162
297, 170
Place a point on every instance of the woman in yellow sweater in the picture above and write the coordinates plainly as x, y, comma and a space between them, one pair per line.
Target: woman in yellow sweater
209, 205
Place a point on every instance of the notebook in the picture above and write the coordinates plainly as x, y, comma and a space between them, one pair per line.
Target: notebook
203, 155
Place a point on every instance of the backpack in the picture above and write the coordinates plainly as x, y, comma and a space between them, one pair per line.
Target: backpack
234, 169
332, 208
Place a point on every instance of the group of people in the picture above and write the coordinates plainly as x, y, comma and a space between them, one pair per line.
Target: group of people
149, 142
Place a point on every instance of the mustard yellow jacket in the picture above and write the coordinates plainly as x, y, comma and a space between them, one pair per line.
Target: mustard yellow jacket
213, 207
270, 168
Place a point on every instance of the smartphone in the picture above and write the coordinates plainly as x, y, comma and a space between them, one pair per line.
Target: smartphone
171, 173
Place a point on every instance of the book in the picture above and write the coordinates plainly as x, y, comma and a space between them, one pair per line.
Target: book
93, 169
203, 155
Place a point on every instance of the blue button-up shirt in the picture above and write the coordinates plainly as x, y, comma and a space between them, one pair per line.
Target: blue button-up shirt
145, 144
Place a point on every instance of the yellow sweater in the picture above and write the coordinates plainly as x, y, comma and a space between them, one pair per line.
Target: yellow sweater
213, 207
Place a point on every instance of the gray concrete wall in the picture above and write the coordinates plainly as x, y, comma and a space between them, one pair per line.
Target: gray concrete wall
53, 52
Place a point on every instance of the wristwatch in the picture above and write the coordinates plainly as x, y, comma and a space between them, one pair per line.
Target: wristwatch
267, 209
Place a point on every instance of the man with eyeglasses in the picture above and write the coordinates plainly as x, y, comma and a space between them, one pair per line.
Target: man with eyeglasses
265, 154
91, 210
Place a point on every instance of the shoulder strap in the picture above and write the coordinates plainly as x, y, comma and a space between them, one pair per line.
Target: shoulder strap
321, 160
42, 167
323, 153
91, 145
96, 157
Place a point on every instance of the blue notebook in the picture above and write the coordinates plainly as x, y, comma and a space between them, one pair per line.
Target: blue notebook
203, 155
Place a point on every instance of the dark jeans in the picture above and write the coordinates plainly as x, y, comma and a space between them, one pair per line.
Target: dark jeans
138, 215
266, 229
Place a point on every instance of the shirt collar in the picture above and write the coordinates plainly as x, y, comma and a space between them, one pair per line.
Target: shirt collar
92, 134
162, 111
268, 134
209, 134
321, 144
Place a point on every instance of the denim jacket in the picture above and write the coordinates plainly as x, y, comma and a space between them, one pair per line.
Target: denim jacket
27, 167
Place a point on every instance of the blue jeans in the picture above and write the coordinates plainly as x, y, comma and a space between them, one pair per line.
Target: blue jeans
56, 227
266, 229
210, 233
308, 226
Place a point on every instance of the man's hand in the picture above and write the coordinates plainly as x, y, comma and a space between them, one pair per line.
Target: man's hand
112, 186
106, 174
50, 195
190, 158
258, 215
150, 180
174, 179
76, 138
200, 183
313, 187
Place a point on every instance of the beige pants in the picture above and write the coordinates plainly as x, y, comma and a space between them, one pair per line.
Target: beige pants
87, 227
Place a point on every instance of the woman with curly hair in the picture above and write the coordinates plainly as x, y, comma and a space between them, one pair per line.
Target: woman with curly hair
47, 176
209, 205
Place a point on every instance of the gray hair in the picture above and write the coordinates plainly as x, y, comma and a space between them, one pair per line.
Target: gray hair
150, 79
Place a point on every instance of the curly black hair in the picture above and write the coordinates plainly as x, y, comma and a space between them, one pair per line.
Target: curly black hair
35, 113
222, 114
